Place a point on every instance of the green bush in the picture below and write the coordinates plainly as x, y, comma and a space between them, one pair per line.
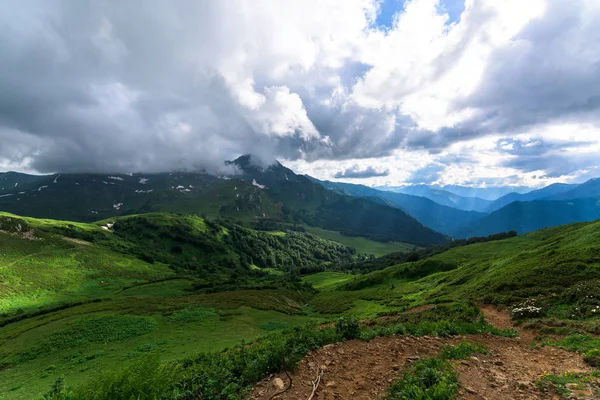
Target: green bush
430, 379
348, 328
592, 357
191, 314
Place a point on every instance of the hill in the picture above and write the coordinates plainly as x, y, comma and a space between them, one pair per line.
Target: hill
270, 197
10, 181
446, 198
533, 215
47, 262
544, 193
590, 188
160, 295
544, 263
441, 218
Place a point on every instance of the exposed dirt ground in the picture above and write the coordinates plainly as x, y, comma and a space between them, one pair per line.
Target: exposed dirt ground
360, 370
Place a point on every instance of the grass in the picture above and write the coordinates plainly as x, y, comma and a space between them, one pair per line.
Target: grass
326, 280
230, 374
168, 331
174, 335
569, 382
52, 270
560, 266
433, 378
587, 345
361, 244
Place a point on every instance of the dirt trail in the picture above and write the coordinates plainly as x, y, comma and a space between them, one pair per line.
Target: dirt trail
361, 370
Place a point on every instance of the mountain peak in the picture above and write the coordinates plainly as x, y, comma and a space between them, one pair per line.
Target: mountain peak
254, 163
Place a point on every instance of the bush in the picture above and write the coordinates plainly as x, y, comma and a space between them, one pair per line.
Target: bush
432, 378
348, 328
592, 357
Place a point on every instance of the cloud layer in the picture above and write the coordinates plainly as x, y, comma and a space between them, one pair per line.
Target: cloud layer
438, 95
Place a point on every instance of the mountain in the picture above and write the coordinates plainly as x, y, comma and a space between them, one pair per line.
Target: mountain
307, 201
533, 215
441, 218
446, 198
487, 193
590, 188
10, 181
544, 193
266, 196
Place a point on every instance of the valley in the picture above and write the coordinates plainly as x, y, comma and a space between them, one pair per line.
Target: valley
102, 303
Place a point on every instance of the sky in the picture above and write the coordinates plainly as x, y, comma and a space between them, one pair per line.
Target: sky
378, 92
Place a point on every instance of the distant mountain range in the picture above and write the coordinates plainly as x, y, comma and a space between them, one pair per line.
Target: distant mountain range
484, 193
553, 205
261, 197
442, 218
533, 215
274, 197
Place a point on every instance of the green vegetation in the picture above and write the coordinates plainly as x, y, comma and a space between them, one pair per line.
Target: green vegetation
230, 374
363, 246
172, 305
565, 384
587, 345
433, 378
557, 268
326, 280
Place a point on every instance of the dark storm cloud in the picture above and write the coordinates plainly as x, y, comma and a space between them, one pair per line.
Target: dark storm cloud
356, 172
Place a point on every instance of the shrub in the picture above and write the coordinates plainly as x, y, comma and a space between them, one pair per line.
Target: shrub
432, 378
348, 328
592, 357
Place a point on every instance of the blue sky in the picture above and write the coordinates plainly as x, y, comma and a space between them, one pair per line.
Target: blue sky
389, 8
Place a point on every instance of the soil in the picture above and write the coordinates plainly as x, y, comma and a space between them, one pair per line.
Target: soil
360, 370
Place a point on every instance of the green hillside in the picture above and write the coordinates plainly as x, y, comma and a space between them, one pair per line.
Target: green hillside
540, 264
77, 297
79, 300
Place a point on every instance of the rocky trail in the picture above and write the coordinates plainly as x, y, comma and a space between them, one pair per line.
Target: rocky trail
360, 370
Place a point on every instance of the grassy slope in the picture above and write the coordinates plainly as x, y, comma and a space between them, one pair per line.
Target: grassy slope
49, 269
46, 270
361, 244
506, 271
163, 317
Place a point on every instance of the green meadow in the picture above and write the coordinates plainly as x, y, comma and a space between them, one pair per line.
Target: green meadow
79, 302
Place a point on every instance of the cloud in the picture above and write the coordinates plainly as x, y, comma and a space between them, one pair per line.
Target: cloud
121, 86
429, 174
356, 172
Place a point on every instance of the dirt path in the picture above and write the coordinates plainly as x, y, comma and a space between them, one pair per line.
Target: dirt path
361, 370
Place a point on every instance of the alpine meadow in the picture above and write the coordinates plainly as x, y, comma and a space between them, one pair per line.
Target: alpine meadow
299, 200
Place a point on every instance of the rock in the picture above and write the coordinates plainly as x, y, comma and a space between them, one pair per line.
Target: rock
572, 386
524, 384
278, 383
331, 384
499, 363
396, 367
341, 351
470, 390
